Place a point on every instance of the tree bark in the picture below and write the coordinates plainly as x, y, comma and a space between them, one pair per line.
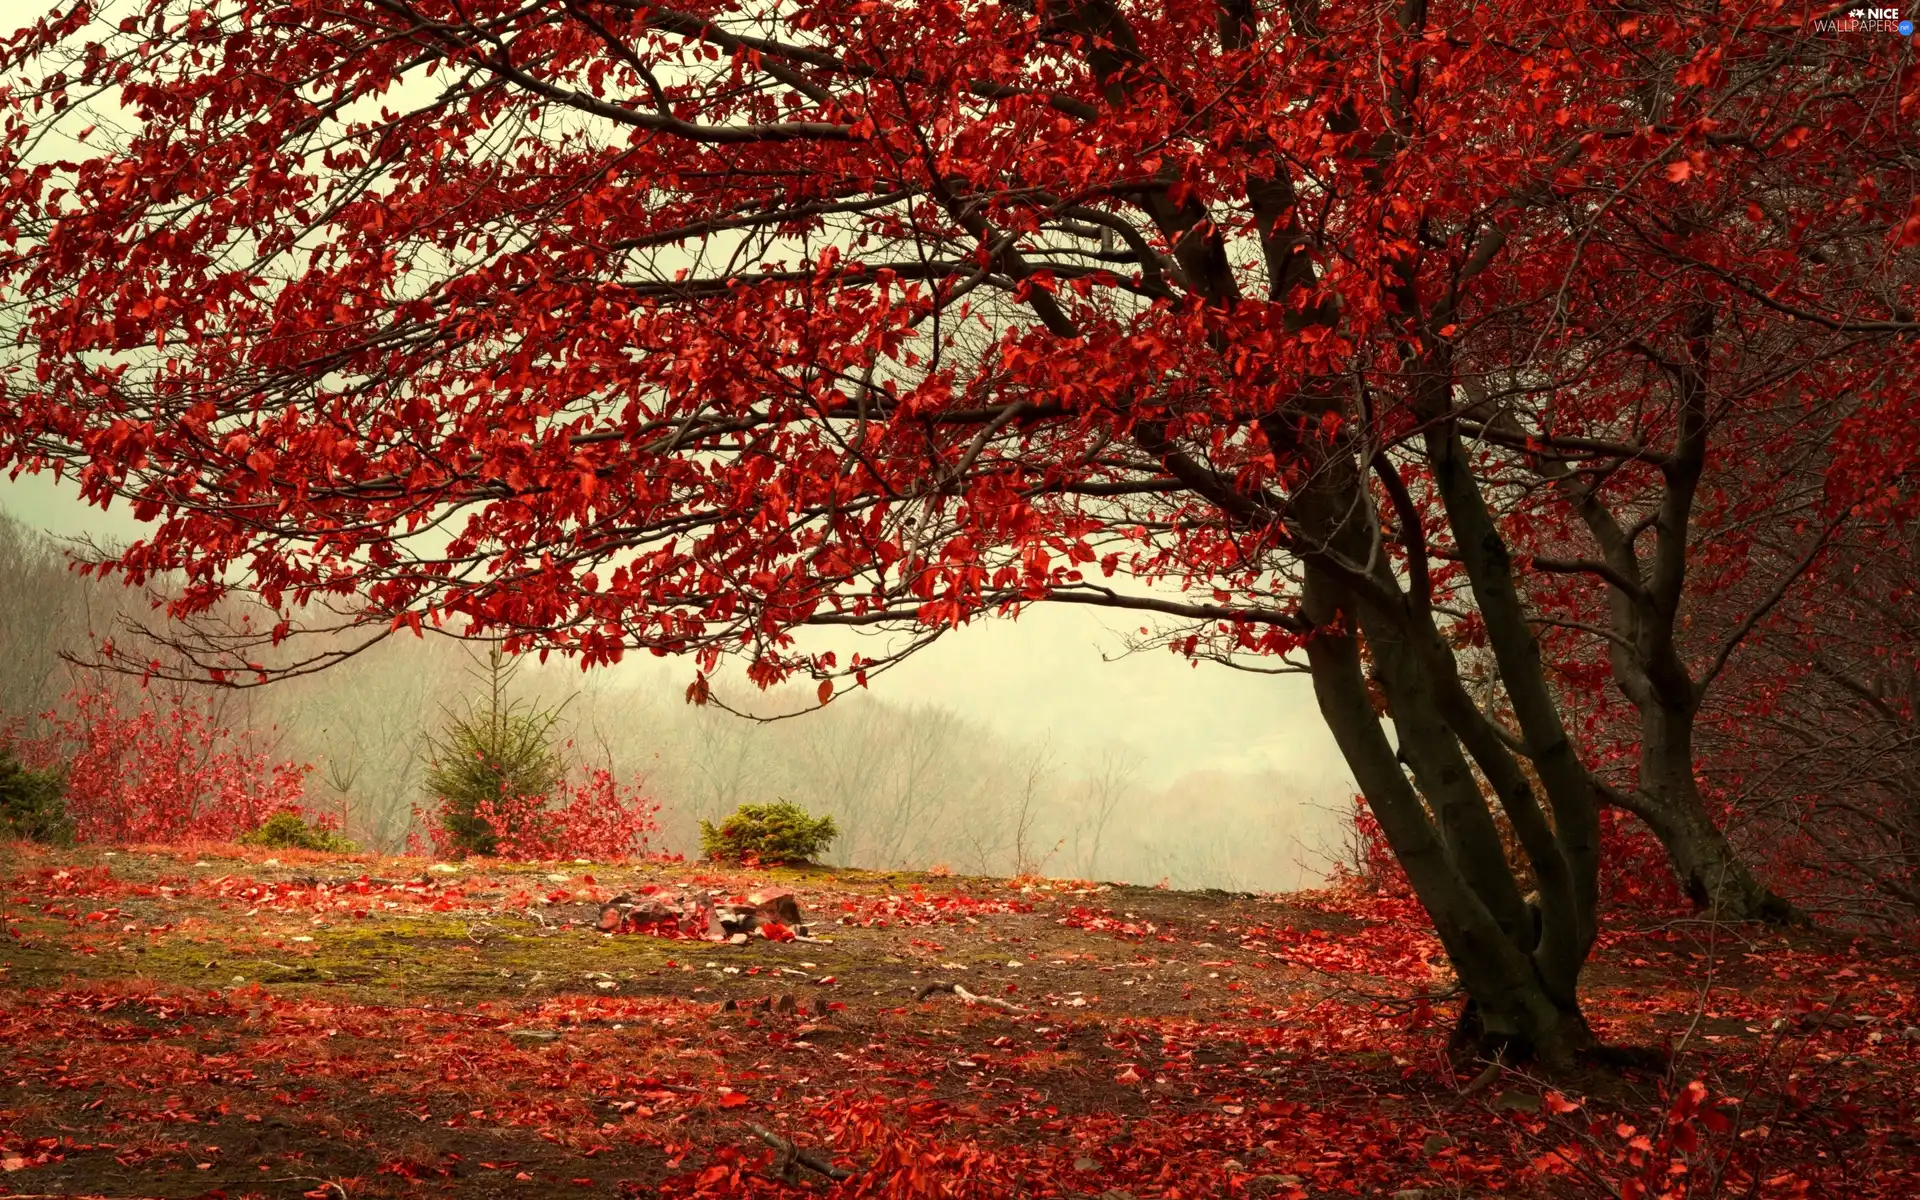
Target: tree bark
1644, 594
1519, 1010
1711, 871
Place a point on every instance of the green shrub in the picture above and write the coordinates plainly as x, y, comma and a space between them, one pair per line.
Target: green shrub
781, 832
33, 804
285, 830
487, 769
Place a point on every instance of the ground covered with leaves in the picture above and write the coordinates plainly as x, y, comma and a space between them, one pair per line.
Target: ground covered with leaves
213, 1021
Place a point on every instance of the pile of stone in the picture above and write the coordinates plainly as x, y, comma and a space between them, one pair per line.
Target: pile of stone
786, 1003
773, 914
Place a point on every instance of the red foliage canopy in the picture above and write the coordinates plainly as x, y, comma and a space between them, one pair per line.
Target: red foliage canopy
611, 325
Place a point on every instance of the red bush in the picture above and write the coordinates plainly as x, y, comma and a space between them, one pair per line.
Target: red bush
593, 816
1370, 863
1634, 871
168, 771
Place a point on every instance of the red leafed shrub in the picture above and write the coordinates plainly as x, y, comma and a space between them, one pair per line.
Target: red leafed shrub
592, 816
1369, 863
1633, 864
166, 772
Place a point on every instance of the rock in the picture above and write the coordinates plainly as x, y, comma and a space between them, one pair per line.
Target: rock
556, 877
1084, 1163
781, 906
702, 919
735, 918
612, 914
1515, 1101
627, 910
1911, 1033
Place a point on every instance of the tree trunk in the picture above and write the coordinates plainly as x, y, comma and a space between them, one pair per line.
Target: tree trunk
1522, 1008
1710, 870
1476, 1035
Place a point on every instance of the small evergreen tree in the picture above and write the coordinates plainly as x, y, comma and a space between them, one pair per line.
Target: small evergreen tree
33, 803
773, 833
495, 764
287, 830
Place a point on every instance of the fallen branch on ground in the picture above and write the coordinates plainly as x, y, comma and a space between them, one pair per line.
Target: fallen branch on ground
792, 1156
1482, 1081
536, 918
967, 997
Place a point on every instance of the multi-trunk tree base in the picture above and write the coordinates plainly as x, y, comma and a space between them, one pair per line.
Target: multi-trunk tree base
1475, 1039
1569, 1046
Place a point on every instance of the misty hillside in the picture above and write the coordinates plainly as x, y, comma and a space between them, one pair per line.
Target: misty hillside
910, 784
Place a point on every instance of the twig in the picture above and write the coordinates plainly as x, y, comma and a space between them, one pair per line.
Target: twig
792, 1156
535, 917
967, 997
1482, 1081
328, 1183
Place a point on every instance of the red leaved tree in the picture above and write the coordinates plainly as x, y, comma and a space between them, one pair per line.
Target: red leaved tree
1340, 332
1815, 744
